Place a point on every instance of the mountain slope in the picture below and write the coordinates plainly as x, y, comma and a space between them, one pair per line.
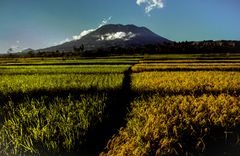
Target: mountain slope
112, 35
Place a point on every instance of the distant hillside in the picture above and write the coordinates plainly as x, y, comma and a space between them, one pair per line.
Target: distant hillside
112, 35
25, 51
117, 39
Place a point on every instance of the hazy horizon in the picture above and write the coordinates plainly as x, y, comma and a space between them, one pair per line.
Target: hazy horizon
39, 24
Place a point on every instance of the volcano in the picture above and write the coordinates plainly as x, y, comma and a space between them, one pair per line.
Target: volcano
112, 35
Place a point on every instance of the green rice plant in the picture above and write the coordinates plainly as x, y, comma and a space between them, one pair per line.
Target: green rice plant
27, 83
34, 126
63, 61
36, 118
63, 69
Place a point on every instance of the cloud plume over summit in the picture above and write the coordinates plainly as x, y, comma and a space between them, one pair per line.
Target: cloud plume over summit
85, 32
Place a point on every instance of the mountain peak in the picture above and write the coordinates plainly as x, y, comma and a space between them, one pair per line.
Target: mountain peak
113, 35
120, 28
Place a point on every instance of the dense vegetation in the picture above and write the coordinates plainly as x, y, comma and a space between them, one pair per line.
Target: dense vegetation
176, 125
182, 111
223, 47
131, 105
42, 126
51, 109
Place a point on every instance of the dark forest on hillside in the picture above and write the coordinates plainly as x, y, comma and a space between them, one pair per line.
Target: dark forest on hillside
192, 47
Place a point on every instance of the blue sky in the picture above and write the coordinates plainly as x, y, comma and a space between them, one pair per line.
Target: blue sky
42, 23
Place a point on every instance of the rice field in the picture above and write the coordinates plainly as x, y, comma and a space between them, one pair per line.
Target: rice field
131, 105
182, 106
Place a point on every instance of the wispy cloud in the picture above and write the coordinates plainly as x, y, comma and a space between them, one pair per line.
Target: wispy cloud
151, 4
117, 35
63, 41
85, 32
16, 47
105, 21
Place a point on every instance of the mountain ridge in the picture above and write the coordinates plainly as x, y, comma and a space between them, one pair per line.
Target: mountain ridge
112, 35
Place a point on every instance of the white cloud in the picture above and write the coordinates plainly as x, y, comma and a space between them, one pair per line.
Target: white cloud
105, 21
16, 47
63, 41
151, 4
117, 35
85, 32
